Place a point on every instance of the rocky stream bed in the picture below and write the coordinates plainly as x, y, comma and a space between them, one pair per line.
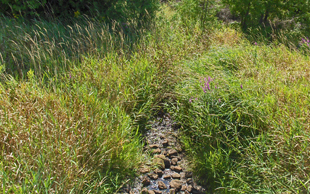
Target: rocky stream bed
168, 171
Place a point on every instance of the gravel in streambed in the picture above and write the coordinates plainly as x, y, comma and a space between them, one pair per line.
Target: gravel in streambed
170, 174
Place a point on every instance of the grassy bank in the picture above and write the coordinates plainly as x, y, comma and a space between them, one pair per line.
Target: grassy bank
245, 108
74, 98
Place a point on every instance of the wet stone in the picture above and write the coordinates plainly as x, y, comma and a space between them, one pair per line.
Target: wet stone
176, 176
153, 176
172, 191
166, 176
146, 181
177, 184
174, 161
161, 185
172, 152
151, 192
154, 146
144, 191
157, 192
183, 188
176, 168
159, 162
156, 151
159, 172
189, 188
160, 156
144, 170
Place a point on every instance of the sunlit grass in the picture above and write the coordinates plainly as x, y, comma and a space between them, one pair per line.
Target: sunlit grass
250, 131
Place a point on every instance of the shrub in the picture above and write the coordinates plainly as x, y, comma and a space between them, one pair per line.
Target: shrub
259, 12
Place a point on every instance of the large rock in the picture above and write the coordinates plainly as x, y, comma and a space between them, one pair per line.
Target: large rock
166, 161
177, 184
176, 176
160, 163
176, 168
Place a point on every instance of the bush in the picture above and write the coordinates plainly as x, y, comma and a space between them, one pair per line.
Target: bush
193, 11
258, 12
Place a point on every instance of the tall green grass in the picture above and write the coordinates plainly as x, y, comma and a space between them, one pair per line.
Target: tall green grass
74, 100
249, 133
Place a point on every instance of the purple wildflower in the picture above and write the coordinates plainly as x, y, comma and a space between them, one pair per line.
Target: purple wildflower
255, 43
190, 100
196, 98
209, 79
241, 86
70, 75
215, 87
208, 85
219, 100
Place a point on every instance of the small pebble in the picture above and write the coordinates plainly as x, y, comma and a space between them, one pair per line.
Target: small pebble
156, 151
153, 176
154, 146
144, 170
166, 176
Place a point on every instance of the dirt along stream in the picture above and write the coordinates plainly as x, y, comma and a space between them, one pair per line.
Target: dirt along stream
168, 171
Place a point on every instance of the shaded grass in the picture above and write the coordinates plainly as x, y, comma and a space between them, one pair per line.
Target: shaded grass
251, 132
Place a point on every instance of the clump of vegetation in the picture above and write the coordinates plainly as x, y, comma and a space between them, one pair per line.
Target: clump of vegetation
244, 109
